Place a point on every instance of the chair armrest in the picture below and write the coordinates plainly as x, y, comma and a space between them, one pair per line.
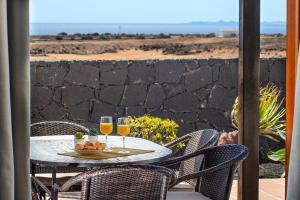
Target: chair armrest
174, 160
172, 144
201, 173
199, 152
72, 181
229, 163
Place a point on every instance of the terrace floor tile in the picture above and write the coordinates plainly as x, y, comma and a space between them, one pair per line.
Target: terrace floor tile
269, 189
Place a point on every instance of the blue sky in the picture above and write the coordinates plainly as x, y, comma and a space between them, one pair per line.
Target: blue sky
146, 11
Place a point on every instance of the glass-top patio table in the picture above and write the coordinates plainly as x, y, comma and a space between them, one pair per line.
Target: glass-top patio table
44, 152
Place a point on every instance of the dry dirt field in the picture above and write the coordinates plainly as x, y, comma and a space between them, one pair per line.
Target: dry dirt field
175, 47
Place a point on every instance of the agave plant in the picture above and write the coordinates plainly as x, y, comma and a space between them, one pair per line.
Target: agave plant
271, 113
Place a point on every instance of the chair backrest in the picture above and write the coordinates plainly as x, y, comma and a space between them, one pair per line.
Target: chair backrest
134, 182
197, 140
217, 185
56, 128
48, 128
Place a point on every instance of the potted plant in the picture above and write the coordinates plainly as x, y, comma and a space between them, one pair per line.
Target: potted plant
78, 138
93, 135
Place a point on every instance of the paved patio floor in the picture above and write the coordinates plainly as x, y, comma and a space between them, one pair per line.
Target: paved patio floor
270, 189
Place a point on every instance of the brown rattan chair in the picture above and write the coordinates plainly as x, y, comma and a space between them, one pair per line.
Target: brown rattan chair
194, 141
35, 194
132, 182
215, 176
48, 128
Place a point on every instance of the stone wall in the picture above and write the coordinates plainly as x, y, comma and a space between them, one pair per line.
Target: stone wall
196, 93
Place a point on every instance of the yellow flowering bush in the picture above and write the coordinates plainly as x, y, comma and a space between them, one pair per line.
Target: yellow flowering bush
160, 131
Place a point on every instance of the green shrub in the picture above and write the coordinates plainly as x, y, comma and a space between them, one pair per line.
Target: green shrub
95, 34
163, 36
63, 34
140, 36
86, 37
59, 37
158, 130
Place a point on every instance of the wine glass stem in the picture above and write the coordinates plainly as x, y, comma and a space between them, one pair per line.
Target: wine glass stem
124, 142
106, 140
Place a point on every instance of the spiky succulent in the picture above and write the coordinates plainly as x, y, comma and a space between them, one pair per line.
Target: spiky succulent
271, 113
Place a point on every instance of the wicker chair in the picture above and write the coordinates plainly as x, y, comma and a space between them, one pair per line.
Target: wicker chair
194, 141
35, 194
48, 128
134, 182
216, 173
56, 128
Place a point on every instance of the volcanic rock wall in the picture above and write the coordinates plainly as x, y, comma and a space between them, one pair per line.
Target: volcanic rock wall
196, 93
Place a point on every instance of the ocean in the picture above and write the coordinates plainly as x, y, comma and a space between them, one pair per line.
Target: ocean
128, 28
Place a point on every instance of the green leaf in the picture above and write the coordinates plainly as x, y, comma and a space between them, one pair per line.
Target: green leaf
278, 156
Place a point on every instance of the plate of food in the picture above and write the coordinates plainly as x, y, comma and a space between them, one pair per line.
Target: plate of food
90, 148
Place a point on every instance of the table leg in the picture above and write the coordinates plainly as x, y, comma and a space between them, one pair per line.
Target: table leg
54, 192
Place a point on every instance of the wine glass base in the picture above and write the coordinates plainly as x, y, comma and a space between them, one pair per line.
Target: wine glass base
123, 151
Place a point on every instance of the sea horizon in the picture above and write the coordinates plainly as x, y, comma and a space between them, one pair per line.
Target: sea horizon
201, 27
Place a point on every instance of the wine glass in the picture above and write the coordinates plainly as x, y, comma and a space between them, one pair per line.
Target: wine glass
106, 128
123, 129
